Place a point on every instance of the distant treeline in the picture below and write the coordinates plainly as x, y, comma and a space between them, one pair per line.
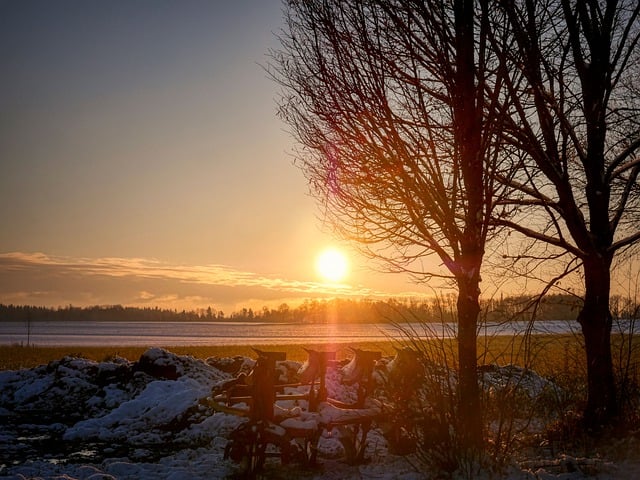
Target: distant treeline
508, 308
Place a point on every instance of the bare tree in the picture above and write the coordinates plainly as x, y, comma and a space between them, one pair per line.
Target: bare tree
388, 100
577, 123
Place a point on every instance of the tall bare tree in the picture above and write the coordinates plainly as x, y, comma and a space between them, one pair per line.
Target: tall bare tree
577, 122
388, 100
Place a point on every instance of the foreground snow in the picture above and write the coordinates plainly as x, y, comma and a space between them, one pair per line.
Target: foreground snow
152, 419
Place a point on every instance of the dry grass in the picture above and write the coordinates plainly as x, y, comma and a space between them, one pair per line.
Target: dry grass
543, 353
13, 357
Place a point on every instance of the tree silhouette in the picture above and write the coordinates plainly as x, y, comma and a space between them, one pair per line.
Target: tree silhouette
576, 122
389, 101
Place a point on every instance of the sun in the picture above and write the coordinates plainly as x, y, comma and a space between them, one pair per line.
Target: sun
332, 265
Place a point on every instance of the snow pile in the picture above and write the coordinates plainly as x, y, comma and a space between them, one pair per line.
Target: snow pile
154, 418
495, 378
76, 409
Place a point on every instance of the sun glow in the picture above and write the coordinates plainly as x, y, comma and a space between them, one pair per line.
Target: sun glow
332, 265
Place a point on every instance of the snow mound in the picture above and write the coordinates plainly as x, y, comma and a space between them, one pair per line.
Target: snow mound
495, 378
113, 406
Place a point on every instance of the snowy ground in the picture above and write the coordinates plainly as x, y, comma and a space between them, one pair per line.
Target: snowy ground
152, 419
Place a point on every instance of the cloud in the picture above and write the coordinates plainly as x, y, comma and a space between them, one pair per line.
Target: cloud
143, 281
155, 269
145, 296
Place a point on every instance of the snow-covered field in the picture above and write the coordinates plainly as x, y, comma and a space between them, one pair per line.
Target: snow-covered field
153, 419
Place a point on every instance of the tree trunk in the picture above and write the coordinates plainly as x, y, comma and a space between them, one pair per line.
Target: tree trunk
595, 320
468, 128
469, 408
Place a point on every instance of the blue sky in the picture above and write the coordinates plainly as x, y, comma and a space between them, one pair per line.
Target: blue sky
144, 133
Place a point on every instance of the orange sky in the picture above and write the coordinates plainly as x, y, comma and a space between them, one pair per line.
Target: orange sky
143, 162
